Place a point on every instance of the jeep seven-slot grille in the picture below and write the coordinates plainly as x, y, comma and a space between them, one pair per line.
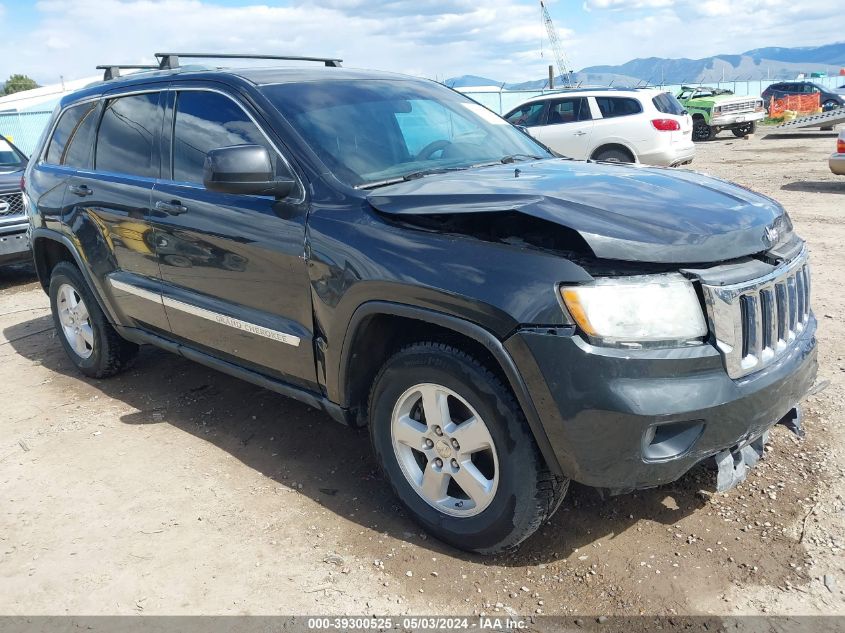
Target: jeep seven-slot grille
11, 204
740, 106
755, 322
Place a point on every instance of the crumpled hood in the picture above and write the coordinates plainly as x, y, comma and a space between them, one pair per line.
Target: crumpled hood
623, 212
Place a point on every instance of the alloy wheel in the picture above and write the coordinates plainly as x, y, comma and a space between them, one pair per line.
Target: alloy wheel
76, 321
444, 450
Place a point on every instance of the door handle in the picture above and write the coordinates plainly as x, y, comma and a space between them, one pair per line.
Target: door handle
580, 133
174, 207
81, 190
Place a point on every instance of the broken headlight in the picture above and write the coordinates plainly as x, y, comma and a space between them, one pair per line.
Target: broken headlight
630, 311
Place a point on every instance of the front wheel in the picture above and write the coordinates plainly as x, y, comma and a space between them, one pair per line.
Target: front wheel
830, 105
455, 446
702, 132
90, 342
745, 129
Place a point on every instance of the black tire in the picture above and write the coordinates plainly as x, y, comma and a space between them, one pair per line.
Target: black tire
829, 105
110, 353
527, 493
702, 132
613, 156
745, 129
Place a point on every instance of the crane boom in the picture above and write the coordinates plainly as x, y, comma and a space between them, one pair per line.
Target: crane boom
557, 49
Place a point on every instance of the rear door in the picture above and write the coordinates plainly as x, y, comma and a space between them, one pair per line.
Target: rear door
235, 282
569, 125
107, 204
621, 121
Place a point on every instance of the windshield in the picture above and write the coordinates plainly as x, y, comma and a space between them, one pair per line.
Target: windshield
10, 158
376, 131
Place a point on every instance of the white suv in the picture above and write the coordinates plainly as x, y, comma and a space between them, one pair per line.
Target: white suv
638, 125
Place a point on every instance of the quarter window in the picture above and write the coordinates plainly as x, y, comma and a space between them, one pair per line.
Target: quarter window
73, 137
206, 121
668, 104
126, 134
611, 107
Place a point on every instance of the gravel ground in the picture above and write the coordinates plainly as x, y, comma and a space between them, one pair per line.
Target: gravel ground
174, 489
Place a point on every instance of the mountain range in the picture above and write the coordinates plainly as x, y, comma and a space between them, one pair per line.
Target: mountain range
759, 63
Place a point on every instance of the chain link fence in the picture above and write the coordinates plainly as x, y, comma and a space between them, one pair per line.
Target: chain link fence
24, 128
503, 101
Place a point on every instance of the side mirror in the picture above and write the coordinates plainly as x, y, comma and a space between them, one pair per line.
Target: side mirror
244, 169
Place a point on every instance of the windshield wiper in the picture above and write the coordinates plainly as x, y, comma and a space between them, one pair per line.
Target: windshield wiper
411, 176
512, 158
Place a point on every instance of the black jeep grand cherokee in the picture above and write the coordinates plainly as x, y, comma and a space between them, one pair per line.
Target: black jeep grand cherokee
379, 246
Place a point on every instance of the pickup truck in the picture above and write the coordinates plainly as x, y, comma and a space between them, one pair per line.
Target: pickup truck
715, 109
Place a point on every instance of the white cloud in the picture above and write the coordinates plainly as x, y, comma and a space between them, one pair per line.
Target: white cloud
500, 39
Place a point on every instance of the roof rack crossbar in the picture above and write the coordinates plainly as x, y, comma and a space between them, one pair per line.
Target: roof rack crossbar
171, 60
112, 71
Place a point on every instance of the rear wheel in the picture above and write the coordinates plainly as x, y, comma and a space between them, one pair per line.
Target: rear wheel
90, 342
745, 129
613, 156
455, 446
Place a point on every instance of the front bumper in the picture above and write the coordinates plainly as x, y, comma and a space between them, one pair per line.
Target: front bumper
837, 164
723, 120
14, 245
599, 405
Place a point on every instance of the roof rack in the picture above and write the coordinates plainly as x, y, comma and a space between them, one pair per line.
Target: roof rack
112, 71
171, 60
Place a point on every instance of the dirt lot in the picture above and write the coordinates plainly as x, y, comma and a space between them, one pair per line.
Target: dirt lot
176, 490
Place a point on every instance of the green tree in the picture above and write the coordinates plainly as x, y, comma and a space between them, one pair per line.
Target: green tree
17, 83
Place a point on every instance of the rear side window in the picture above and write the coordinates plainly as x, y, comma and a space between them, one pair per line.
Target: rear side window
74, 136
206, 121
618, 106
527, 115
569, 111
126, 135
668, 104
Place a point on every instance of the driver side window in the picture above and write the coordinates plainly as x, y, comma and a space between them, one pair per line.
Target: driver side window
426, 122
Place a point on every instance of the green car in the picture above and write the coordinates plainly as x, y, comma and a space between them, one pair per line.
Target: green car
714, 109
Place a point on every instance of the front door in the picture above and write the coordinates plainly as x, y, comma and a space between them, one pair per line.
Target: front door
233, 268
568, 127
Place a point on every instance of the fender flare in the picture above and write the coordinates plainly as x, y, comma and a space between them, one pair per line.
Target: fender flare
466, 328
64, 240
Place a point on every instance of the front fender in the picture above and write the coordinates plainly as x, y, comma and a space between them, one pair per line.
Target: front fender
340, 358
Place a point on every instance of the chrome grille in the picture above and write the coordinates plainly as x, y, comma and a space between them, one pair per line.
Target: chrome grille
755, 322
11, 204
739, 106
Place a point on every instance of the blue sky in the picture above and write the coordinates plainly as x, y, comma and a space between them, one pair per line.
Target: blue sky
500, 39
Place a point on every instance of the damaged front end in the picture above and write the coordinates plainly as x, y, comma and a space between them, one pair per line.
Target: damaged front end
733, 464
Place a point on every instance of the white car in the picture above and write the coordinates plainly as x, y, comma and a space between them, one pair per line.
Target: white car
638, 125
837, 160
